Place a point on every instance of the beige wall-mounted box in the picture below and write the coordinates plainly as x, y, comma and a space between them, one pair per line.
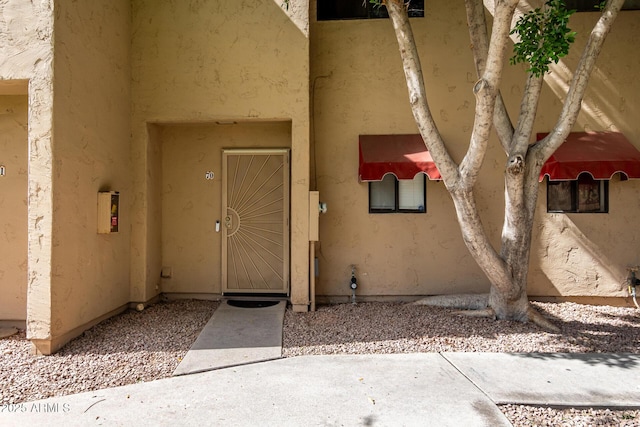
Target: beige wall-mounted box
108, 212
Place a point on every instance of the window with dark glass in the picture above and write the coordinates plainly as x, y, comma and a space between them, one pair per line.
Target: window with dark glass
593, 5
329, 10
398, 195
584, 195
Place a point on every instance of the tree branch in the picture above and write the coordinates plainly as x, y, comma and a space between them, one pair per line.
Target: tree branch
476, 240
417, 93
479, 37
521, 189
486, 90
528, 109
569, 114
473, 232
531, 184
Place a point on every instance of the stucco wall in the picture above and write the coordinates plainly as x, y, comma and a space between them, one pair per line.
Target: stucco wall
26, 56
91, 154
204, 62
191, 204
360, 89
13, 205
587, 254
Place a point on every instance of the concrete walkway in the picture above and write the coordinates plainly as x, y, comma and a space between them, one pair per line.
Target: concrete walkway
236, 336
554, 379
449, 389
438, 389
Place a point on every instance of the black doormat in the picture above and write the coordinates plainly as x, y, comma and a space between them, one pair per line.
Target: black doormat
251, 303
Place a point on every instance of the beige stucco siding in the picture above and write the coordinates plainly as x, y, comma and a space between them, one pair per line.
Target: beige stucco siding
26, 55
360, 89
141, 96
587, 254
25, 39
191, 204
90, 271
13, 205
206, 62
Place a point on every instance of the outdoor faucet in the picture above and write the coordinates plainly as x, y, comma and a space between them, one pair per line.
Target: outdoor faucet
353, 284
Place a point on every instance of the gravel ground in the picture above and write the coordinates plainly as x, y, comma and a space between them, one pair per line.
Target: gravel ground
408, 328
148, 345
126, 349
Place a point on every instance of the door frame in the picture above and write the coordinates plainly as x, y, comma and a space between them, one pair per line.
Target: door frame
286, 227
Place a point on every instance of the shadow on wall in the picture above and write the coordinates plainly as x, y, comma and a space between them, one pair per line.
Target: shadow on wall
605, 105
574, 264
297, 12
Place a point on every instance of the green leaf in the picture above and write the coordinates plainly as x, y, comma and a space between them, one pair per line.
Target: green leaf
544, 37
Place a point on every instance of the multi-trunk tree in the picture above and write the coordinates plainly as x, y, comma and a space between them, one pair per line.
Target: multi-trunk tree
542, 37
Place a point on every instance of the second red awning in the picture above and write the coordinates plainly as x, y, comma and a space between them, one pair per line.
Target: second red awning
401, 155
601, 154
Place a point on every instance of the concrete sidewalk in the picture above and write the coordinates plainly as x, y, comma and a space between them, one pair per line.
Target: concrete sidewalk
554, 379
449, 389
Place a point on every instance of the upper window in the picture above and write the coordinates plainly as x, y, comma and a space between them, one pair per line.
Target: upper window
584, 195
398, 195
329, 10
592, 5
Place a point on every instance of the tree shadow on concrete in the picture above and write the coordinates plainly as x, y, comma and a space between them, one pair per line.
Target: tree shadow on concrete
617, 360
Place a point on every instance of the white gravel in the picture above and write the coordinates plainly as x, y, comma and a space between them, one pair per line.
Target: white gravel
126, 349
407, 328
148, 345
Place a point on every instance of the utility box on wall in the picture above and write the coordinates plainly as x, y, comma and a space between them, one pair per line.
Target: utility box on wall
314, 216
108, 211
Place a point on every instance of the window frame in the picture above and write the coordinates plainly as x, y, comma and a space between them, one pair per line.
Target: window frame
584, 179
396, 208
372, 11
590, 5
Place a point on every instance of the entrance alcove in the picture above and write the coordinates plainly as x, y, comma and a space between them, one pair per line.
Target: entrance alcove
191, 196
13, 203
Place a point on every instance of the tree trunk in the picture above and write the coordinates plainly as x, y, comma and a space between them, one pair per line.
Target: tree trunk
512, 302
507, 271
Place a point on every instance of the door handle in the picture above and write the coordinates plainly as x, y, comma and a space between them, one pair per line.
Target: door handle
227, 222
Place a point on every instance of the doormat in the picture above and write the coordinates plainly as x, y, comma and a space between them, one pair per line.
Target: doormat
251, 303
7, 332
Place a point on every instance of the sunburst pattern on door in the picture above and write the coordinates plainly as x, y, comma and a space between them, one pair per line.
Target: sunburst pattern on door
255, 252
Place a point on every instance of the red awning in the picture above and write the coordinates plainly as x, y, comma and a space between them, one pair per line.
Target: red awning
401, 155
601, 154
